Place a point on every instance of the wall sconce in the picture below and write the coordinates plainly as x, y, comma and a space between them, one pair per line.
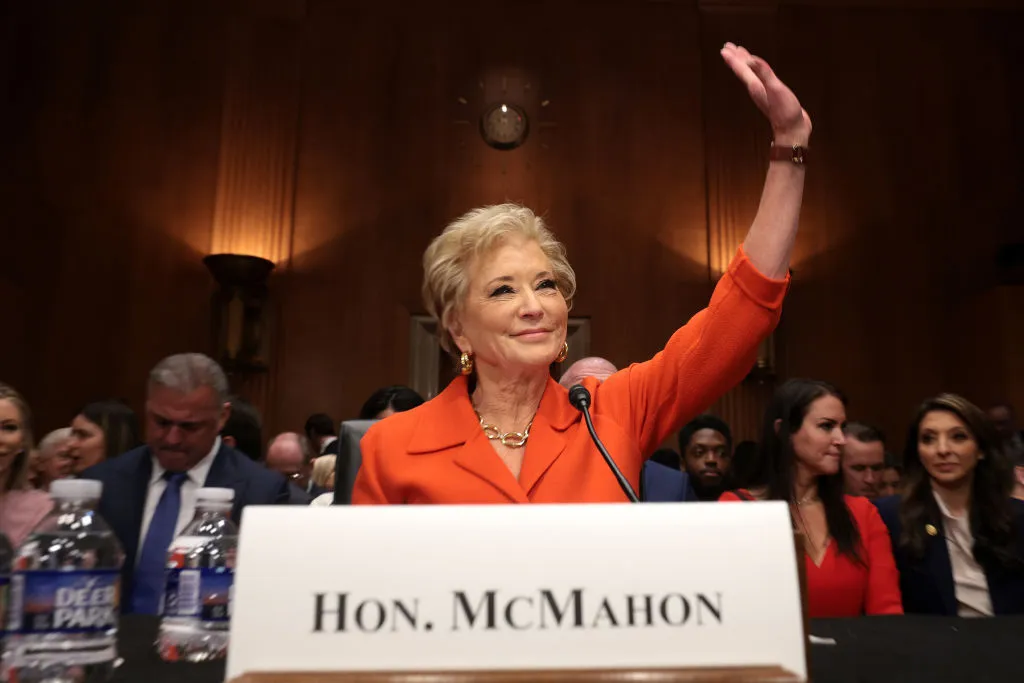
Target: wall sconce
240, 313
764, 367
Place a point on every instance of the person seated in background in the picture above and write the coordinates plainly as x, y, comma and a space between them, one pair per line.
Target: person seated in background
706, 445
892, 474
21, 507
662, 479
847, 553
291, 455
863, 459
592, 366
957, 535
1004, 418
149, 493
102, 430
51, 462
744, 464
667, 457
322, 434
323, 476
243, 430
388, 401
500, 285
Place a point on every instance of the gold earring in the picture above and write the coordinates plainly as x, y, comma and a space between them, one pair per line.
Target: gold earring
465, 363
563, 354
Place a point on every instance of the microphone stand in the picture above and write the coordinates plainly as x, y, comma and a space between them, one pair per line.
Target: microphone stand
580, 399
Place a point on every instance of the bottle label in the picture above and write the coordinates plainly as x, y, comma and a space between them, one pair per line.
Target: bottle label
202, 593
76, 601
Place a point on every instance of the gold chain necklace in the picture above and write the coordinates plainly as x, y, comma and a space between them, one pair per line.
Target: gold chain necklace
509, 439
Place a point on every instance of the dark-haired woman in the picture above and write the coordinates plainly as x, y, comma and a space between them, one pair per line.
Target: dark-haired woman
847, 553
102, 430
957, 535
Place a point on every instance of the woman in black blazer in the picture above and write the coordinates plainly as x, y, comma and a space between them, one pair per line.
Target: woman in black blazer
957, 535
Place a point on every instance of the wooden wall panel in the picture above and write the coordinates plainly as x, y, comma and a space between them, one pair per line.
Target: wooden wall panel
389, 156
329, 136
110, 190
912, 187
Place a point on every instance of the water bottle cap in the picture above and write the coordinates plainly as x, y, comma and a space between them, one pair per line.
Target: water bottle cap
215, 495
71, 489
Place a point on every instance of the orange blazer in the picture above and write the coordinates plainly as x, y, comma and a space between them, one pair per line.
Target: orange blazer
437, 452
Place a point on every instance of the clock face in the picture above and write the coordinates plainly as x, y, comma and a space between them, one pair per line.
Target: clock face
504, 126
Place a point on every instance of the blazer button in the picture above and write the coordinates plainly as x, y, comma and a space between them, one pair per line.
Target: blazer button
931, 530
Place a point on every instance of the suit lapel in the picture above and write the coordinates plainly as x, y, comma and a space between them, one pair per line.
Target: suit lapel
547, 435
942, 569
130, 502
478, 458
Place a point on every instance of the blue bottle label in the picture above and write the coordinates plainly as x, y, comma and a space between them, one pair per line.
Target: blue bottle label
217, 592
202, 593
77, 601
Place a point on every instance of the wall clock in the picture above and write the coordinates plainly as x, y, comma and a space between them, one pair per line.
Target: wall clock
504, 126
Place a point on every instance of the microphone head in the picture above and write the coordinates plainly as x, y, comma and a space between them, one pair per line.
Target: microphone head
579, 397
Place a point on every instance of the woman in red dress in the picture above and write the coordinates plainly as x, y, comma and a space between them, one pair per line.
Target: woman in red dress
847, 552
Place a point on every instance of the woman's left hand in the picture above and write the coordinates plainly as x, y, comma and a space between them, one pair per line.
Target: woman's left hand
790, 123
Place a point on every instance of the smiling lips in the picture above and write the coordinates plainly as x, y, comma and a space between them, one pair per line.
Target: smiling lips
531, 334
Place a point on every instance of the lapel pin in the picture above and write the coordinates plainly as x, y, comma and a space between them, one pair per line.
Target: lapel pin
931, 530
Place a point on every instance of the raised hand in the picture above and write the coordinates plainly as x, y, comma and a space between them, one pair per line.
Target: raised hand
790, 123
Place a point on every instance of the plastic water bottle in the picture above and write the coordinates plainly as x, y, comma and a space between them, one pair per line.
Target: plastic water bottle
65, 593
196, 607
6, 559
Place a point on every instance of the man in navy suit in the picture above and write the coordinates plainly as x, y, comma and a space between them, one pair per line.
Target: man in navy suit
149, 493
658, 483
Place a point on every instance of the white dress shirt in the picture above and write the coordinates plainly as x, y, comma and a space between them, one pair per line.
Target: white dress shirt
969, 581
327, 442
323, 500
195, 480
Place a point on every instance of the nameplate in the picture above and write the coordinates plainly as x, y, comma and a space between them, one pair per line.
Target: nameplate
516, 587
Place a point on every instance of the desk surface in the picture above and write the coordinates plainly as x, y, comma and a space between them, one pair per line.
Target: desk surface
867, 650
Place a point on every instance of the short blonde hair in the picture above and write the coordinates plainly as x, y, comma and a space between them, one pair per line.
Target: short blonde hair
323, 471
446, 261
21, 466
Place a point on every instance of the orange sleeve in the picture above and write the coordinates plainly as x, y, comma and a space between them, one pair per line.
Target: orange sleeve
367, 489
729, 497
883, 594
702, 360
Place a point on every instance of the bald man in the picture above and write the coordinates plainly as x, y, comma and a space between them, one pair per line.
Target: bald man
291, 455
660, 484
601, 368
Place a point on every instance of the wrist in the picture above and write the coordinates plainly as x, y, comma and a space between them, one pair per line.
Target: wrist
791, 138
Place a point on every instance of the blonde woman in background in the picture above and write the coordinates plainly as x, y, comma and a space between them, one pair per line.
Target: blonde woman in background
21, 507
323, 476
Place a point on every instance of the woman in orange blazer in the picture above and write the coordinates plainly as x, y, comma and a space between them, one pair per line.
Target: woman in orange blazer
847, 554
500, 285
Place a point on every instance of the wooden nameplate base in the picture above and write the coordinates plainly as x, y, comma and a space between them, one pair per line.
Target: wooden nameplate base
739, 674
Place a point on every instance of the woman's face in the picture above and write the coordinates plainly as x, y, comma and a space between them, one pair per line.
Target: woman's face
947, 448
12, 438
819, 440
87, 445
513, 317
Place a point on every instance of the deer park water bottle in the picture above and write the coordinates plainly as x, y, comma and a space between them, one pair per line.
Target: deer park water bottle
65, 593
196, 607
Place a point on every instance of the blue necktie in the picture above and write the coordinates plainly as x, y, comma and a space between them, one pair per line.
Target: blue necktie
152, 566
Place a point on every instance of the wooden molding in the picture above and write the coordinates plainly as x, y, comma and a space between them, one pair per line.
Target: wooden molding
760, 674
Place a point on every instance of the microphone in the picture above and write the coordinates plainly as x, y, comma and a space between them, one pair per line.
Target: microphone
579, 397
